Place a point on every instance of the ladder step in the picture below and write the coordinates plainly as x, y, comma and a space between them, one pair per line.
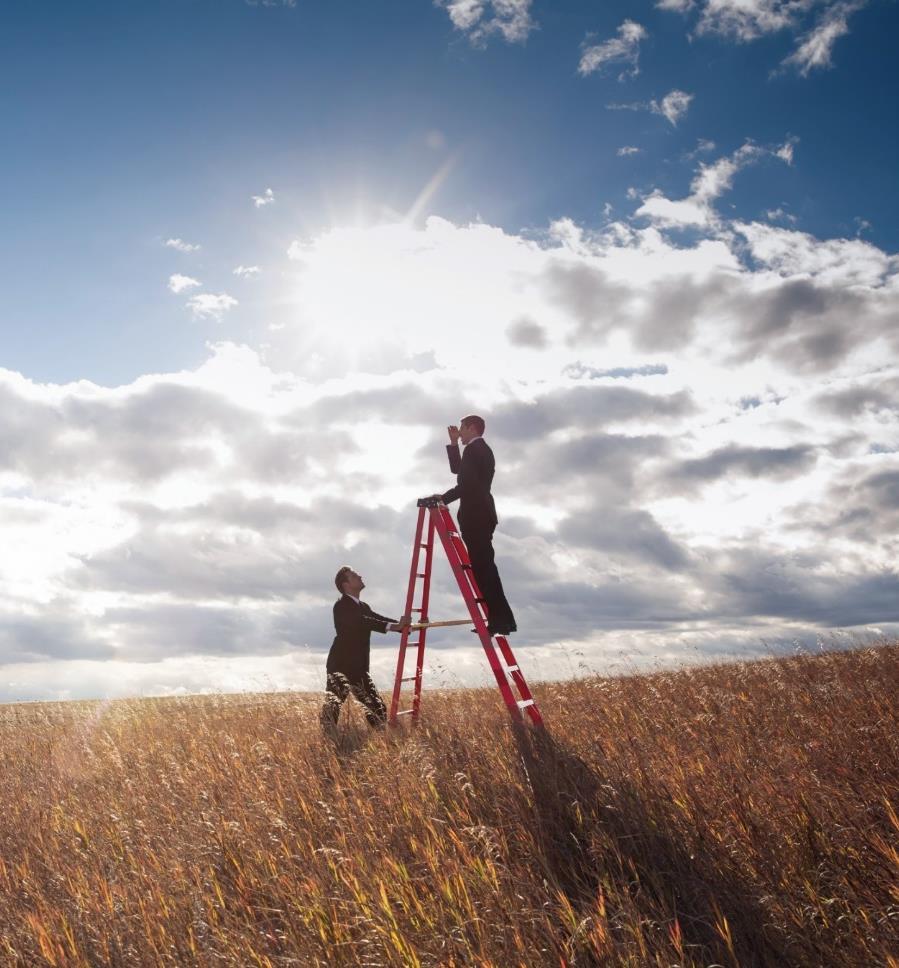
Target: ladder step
512, 668
524, 703
421, 574
409, 679
404, 712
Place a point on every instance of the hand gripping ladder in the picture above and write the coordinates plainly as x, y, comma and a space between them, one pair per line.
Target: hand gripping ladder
434, 515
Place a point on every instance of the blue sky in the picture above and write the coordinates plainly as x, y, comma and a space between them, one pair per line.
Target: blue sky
129, 123
256, 256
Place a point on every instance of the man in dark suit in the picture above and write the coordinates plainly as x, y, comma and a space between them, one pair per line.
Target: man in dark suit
347, 665
474, 469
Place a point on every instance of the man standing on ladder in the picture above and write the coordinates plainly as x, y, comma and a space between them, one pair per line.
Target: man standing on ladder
474, 469
348, 659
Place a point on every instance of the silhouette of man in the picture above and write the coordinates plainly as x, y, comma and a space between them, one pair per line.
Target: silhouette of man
347, 665
474, 469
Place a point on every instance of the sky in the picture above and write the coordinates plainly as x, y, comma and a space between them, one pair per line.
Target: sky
257, 255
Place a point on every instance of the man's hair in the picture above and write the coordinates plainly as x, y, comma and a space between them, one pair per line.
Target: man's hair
476, 422
341, 576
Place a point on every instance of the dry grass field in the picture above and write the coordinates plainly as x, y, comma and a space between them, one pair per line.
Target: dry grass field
740, 814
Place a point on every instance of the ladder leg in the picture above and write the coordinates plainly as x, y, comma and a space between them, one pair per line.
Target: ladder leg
404, 637
460, 563
425, 599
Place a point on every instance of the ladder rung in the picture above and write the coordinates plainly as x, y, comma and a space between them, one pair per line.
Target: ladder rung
513, 668
409, 679
524, 703
405, 712
415, 610
421, 574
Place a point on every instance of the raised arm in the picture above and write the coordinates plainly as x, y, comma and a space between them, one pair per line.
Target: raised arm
455, 463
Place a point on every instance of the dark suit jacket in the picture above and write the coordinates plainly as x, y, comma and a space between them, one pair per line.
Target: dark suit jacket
354, 624
474, 475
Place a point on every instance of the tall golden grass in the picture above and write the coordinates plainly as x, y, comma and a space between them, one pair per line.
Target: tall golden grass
740, 814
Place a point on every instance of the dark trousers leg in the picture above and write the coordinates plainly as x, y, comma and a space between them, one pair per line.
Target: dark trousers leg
366, 692
337, 690
483, 564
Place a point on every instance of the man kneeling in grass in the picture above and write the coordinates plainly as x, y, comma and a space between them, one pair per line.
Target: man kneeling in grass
348, 659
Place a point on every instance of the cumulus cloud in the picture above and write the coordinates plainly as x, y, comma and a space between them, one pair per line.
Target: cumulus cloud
179, 283
720, 408
623, 50
481, 19
181, 246
247, 272
207, 305
266, 198
710, 182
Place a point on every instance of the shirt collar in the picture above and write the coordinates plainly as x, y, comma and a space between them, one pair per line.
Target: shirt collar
356, 600
473, 439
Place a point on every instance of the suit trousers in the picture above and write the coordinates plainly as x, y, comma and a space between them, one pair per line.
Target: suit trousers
479, 542
338, 689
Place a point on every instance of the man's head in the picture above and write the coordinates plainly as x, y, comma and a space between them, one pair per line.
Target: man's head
349, 582
471, 427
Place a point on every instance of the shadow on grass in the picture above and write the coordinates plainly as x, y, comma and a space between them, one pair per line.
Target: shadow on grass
578, 812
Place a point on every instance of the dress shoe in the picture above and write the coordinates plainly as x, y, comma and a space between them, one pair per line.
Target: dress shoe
500, 629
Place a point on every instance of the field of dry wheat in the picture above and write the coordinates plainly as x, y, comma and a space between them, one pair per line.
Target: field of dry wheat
740, 814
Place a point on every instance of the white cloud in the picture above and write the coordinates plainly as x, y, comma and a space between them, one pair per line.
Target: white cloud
709, 183
839, 262
623, 50
181, 246
779, 214
748, 20
207, 305
247, 272
266, 198
786, 151
480, 19
674, 106
179, 283
628, 150
816, 46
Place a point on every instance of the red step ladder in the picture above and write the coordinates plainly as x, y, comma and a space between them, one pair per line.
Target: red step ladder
434, 515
